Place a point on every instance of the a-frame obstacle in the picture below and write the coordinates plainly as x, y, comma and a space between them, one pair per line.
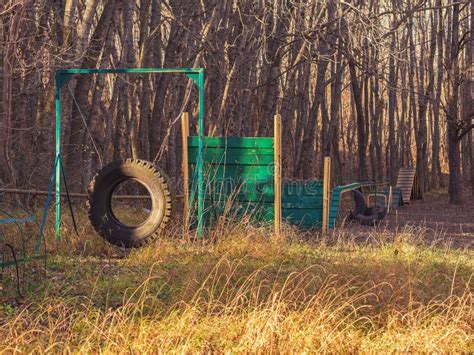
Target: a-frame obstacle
408, 183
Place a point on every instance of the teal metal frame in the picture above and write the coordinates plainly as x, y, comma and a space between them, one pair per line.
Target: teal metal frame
195, 74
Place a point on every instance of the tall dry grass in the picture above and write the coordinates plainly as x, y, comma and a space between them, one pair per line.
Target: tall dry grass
248, 291
303, 313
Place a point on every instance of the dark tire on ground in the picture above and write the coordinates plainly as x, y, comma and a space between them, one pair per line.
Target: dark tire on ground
359, 201
101, 215
366, 220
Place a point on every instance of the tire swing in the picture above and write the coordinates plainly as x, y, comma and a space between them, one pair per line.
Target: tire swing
101, 214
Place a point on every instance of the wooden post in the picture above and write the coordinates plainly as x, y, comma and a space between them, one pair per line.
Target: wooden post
185, 167
326, 193
390, 199
277, 163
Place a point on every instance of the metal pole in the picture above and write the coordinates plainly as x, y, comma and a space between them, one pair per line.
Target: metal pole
63, 74
200, 162
185, 134
59, 81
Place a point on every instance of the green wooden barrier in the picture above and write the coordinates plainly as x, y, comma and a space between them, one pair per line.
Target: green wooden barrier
238, 177
239, 180
302, 203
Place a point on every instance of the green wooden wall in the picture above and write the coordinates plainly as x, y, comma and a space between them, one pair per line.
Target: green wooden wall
239, 180
238, 175
302, 203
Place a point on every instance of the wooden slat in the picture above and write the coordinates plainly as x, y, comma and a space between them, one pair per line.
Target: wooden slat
260, 211
405, 182
309, 201
302, 188
300, 217
235, 156
231, 142
302, 205
265, 193
277, 174
242, 172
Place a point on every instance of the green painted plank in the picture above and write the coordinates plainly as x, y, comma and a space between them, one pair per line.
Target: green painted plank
219, 179
241, 172
257, 212
302, 217
221, 151
234, 156
244, 142
241, 197
303, 204
264, 193
300, 211
240, 182
243, 183
234, 149
302, 188
308, 197
316, 195
333, 207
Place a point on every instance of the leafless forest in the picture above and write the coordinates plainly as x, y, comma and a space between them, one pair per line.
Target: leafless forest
376, 84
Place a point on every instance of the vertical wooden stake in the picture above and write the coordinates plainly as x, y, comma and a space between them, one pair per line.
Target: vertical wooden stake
326, 193
277, 163
185, 134
390, 199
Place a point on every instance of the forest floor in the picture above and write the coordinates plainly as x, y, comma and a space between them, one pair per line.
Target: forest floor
400, 287
438, 217
435, 220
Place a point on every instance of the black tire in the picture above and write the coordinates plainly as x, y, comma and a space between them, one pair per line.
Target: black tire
101, 215
359, 201
371, 216
366, 220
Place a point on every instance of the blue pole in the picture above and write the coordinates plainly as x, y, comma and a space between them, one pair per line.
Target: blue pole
59, 81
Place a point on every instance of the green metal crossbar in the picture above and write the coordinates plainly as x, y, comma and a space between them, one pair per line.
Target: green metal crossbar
195, 74
24, 260
17, 220
10, 219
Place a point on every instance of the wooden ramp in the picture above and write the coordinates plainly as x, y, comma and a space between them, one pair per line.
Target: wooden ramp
406, 178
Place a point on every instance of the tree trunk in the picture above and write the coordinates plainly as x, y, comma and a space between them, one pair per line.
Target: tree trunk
392, 106
452, 113
92, 56
306, 161
435, 141
467, 103
8, 57
361, 133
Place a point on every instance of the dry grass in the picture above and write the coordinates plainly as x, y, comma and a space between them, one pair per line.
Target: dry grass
249, 292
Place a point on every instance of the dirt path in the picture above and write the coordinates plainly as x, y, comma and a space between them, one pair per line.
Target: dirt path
432, 219
434, 212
